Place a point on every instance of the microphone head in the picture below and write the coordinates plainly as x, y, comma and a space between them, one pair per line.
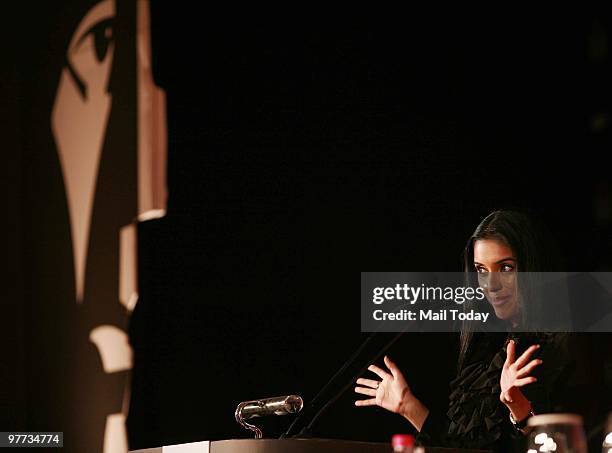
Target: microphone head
279, 405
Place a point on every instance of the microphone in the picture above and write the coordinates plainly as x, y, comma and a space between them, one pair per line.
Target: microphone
279, 405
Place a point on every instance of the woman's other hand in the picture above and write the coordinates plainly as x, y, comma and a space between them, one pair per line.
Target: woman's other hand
392, 393
516, 374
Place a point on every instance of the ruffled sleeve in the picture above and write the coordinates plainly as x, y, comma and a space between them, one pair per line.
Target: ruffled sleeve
434, 431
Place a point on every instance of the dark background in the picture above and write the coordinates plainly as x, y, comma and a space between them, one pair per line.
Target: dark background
301, 155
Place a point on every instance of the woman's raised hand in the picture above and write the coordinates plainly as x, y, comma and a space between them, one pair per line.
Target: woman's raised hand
516, 374
391, 392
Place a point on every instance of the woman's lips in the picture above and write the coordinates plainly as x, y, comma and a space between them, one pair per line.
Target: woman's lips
499, 300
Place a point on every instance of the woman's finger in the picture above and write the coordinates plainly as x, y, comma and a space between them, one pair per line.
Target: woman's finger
395, 371
381, 373
509, 354
368, 382
524, 358
370, 402
528, 368
365, 391
524, 381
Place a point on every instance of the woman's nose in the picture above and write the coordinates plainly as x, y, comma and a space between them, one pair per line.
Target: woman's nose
490, 281
494, 282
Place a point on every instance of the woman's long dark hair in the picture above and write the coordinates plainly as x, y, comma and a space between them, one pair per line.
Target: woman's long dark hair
532, 246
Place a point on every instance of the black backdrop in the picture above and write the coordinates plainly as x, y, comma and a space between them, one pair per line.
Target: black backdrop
302, 155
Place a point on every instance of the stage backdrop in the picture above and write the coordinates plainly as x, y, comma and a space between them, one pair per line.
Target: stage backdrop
95, 168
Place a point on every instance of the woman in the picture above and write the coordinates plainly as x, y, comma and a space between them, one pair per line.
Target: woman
502, 378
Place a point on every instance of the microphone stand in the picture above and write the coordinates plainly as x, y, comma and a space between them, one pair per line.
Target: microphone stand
342, 369
305, 432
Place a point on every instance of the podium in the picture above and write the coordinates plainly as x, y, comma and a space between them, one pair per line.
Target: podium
286, 446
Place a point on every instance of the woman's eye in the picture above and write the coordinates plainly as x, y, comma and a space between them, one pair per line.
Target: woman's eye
481, 270
506, 268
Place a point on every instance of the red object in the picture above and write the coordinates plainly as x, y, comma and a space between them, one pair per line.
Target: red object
402, 440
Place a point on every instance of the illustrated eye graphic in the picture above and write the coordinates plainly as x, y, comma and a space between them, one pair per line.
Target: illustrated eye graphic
90, 51
79, 118
102, 35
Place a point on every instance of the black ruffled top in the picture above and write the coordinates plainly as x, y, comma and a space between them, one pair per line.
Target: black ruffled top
475, 412
477, 419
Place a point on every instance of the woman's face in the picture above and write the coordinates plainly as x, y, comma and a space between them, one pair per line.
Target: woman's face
495, 263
